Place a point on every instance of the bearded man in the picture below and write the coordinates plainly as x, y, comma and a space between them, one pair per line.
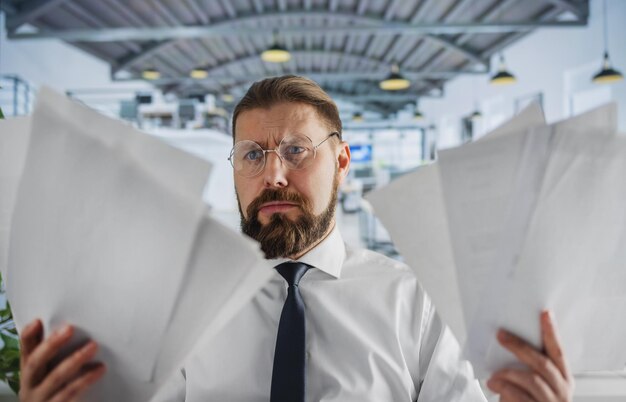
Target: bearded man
334, 324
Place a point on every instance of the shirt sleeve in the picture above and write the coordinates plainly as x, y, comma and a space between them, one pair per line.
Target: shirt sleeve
173, 389
445, 376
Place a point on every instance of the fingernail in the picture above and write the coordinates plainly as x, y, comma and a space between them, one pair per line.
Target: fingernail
64, 330
503, 335
90, 347
494, 384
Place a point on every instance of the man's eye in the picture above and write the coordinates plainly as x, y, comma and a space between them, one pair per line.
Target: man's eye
294, 150
253, 156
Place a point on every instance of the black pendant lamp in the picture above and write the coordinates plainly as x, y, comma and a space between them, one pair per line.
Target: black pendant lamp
607, 74
503, 76
276, 53
394, 81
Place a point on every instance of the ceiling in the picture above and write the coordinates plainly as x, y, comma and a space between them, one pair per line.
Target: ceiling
347, 46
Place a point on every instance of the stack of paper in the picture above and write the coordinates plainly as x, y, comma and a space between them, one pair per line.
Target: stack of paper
529, 217
109, 233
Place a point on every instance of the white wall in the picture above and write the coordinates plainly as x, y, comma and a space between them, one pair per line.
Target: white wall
557, 62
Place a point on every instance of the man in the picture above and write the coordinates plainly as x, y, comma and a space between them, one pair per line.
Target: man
334, 323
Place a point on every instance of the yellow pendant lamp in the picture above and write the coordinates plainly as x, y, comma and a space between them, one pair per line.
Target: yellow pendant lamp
394, 81
199, 73
276, 53
150, 74
503, 76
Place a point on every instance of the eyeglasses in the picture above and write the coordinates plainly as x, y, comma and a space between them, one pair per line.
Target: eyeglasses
296, 152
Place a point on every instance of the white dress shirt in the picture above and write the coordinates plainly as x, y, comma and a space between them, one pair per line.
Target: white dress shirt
372, 334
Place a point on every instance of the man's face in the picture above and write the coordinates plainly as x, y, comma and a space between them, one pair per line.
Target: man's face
289, 211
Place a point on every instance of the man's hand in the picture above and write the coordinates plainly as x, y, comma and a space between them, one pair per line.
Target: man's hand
547, 378
64, 382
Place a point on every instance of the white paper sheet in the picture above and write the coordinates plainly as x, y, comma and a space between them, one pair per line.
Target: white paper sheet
482, 348
573, 258
14, 136
530, 117
101, 240
418, 226
92, 224
480, 183
225, 271
177, 170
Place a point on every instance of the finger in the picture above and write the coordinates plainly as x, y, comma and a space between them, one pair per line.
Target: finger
530, 382
508, 391
36, 364
67, 369
73, 390
534, 359
30, 337
552, 343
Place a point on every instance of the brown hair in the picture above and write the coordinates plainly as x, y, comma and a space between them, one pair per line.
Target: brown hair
289, 88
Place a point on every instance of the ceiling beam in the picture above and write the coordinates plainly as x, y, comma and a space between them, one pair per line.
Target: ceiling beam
153, 48
8, 8
29, 11
467, 53
508, 39
316, 76
239, 27
146, 51
580, 9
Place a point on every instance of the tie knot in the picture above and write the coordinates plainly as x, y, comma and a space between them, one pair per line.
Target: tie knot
292, 271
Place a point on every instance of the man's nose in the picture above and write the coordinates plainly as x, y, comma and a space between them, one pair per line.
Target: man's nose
275, 171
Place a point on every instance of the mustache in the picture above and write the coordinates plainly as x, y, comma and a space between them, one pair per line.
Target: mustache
269, 195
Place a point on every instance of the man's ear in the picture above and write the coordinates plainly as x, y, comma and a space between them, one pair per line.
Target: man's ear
343, 161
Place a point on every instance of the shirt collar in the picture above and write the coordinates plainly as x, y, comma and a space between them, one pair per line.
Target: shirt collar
327, 256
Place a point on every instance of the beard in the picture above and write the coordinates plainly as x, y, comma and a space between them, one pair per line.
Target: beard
282, 237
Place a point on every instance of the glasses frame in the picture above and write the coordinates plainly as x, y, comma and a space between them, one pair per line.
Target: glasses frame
275, 150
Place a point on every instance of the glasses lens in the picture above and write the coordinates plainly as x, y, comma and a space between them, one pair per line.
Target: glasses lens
247, 158
296, 151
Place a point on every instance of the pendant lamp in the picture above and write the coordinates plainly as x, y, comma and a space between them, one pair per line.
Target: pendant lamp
417, 115
503, 76
607, 74
199, 73
151, 74
394, 81
276, 53
357, 117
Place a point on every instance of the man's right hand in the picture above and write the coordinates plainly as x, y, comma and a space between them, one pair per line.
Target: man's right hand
64, 382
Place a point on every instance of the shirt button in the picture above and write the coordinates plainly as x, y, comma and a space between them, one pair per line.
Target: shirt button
308, 355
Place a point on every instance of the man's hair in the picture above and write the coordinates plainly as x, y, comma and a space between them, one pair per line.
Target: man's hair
289, 88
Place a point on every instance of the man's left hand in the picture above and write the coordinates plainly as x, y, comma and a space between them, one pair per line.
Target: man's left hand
547, 378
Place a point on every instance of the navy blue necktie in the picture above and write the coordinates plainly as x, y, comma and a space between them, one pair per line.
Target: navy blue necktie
289, 356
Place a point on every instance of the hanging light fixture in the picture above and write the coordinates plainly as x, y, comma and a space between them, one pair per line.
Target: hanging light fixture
394, 81
276, 53
199, 73
476, 114
151, 73
417, 115
357, 117
607, 74
503, 76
